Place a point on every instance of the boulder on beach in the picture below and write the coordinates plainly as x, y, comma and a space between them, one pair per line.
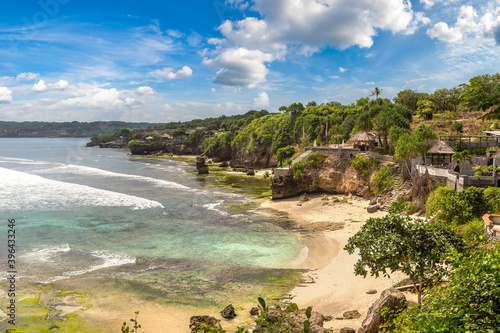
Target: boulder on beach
254, 311
250, 172
201, 166
228, 312
353, 314
304, 197
391, 299
196, 321
372, 209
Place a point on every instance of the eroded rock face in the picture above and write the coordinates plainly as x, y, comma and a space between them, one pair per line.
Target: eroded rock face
391, 299
196, 321
335, 175
258, 157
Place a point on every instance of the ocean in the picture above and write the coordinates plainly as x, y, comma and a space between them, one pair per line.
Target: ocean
152, 223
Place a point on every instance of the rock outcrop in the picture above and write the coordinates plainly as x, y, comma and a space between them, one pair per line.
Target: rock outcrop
196, 321
335, 175
258, 157
391, 299
228, 312
201, 166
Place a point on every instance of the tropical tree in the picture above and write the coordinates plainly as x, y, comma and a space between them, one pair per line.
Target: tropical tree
426, 108
395, 243
468, 303
462, 157
457, 126
409, 146
285, 154
483, 93
377, 91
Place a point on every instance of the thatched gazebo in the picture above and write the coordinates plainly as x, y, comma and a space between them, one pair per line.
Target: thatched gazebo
440, 154
362, 140
149, 138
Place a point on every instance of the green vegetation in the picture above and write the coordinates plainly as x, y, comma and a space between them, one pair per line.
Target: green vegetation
468, 303
396, 243
315, 159
383, 181
284, 155
298, 170
456, 208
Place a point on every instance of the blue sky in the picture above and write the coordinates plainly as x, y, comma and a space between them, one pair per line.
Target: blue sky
64, 60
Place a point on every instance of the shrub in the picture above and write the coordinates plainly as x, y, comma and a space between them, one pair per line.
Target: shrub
460, 146
473, 233
361, 163
136, 143
383, 181
265, 175
286, 153
450, 116
298, 170
315, 159
468, 303
492, 196
456, 207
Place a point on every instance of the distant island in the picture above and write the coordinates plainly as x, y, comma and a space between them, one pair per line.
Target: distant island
73, 129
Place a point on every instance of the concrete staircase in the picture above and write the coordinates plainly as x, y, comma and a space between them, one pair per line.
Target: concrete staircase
397, 193
301, 156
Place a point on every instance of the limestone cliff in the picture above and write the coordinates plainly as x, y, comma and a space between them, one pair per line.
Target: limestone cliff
258, 157
335, 175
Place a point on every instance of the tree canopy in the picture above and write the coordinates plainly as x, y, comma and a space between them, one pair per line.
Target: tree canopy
483, 93
396, 243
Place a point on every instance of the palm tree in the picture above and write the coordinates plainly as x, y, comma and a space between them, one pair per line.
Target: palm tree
462, 156
377, 91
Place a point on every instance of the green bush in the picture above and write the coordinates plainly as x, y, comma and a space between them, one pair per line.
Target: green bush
492, 196
298, 170
136, 143
468, 303
456, 207
450, 116
361, 163
473, 233
383, 181
315, 159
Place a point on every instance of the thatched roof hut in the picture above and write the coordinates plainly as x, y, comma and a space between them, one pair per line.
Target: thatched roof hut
362, 137
440, 154
441, 147
362, 140
149, 138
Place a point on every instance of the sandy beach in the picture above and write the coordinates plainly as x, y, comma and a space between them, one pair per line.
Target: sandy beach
331, 286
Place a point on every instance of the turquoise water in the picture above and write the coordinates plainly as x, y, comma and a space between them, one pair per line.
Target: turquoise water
84, 212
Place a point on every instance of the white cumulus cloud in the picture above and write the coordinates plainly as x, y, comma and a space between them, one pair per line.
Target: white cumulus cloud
40, 86
468, 23
60, 85
5, 95
43, 86
303, 27
27, 76
240, 67
342, 70
261, 101
168, 73
145, 90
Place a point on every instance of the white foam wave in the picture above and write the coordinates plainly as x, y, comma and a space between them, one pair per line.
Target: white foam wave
213, 207
83, 170
24, 191
47, 254
105, 260
302, 256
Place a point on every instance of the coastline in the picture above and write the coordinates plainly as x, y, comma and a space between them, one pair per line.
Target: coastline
330, 286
